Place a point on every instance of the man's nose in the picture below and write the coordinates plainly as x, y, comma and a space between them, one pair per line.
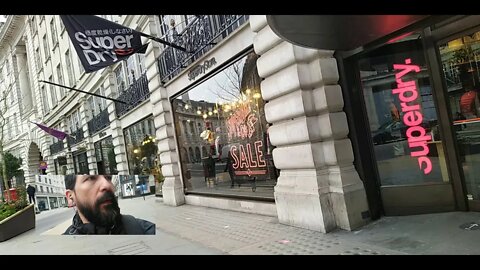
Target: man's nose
105, 184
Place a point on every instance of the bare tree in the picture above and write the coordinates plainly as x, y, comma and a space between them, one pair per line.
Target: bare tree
229, 88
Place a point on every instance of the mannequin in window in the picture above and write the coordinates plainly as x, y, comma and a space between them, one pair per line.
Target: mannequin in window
209, 172
469, 101
209, 136
218, 143
394, 113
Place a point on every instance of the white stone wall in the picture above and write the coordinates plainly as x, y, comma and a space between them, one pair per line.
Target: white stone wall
46, 67
318, 187
172, 189
14, 52
55, 182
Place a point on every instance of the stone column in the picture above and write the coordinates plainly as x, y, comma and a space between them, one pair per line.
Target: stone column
67, 151
118, 140
318, 188
48, 202
87, 141
24, 81
172, 190
47, 141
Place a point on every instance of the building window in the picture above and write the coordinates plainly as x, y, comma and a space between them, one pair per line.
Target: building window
7, 66
53, 32
120, 79
80, 66
33, 25
60, 165
462, 78
53, 92
105, 154
62, 27
398, 119
9, 128
60, 80
16, 126
38, 59
68, 63
164, 25
45, 47
142, 148
43, 94
12, 97
80, 163
97, 104
232, 151
131, 70
73, 121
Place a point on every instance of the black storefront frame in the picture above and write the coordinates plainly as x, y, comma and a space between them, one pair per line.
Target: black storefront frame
445, 33
214, 71
355, 109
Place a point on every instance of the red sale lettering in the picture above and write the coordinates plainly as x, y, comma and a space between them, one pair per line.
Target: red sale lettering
243, 158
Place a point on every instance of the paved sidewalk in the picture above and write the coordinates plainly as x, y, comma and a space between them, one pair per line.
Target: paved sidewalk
191, 229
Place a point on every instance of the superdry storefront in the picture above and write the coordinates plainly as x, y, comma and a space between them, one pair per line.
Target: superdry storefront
222, 134
411, 93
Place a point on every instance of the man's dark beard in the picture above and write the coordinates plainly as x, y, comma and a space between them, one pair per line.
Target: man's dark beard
95, 215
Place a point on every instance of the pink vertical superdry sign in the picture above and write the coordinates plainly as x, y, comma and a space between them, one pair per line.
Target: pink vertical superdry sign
412, 116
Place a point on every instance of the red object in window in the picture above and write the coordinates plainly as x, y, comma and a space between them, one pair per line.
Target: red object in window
467, 102
13, 194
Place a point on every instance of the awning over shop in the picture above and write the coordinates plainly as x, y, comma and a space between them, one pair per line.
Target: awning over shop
338, 32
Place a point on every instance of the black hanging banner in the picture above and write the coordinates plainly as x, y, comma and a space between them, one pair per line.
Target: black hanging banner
100, 43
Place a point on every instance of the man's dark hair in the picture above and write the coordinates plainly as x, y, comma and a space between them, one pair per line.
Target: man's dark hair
70, 180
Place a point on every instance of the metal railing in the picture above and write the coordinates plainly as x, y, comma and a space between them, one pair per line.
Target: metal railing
197, 38
76, 137
56, 147
134, 95
98, 122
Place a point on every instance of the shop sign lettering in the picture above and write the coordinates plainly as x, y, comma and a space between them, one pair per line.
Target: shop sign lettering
412, 116
201, 68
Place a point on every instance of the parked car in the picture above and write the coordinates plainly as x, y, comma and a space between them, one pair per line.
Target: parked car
393, 131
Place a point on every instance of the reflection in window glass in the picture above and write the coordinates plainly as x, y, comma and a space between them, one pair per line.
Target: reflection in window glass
223, 135
142, 148
401, 113
105, 155
80, 163
461, 70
